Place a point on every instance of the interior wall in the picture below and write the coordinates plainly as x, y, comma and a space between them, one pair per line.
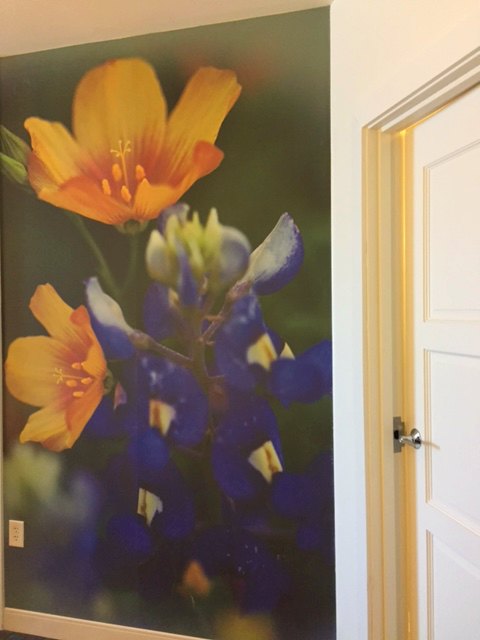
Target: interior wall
381, 51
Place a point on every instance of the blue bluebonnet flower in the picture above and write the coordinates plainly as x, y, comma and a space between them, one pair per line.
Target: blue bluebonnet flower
125, 545
277, 260
128, 540
305, 378
123, 413
150, 503
149, 484
178, 407
108, 322
162, 406
161, 319
155, 393
244, 348
259, 579
158, 405
249, 355
307, 498
246, 451
158, 392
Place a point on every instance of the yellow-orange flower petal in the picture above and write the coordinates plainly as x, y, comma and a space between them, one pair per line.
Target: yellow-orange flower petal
79, 412
203, 106
126, 161
120, 100
63, 175
82, 195
30, 369
54, 315
58, 152
94, 362
63, 373
151, 198
48, 427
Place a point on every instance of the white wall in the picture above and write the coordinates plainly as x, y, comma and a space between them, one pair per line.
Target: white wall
382, 50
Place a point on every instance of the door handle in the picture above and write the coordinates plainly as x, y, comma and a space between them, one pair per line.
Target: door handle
414, 439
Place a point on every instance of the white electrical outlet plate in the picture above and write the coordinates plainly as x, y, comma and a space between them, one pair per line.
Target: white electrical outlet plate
15, 533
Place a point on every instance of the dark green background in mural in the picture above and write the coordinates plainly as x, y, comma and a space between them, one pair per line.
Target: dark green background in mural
276, 145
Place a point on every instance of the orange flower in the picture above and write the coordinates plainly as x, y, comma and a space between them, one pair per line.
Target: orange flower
63, 373
126, 160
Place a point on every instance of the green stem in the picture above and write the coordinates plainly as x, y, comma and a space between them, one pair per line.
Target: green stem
134, 242
234, 294
144, 342
103, 269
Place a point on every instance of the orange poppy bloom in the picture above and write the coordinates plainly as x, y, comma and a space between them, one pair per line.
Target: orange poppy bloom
62, 373
126, 159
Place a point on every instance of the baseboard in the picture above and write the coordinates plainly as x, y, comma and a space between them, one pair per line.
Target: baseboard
60, 628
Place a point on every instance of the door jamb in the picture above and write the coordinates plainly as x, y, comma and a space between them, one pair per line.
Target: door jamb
384, 202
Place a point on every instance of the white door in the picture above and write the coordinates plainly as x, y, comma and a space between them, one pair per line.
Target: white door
445, 348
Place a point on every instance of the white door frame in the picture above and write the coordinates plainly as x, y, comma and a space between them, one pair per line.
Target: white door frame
384, 201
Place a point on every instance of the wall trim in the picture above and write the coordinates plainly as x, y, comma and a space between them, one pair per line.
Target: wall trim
447, 85
63, 628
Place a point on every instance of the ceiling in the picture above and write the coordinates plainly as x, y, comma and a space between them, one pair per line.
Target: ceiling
36, 25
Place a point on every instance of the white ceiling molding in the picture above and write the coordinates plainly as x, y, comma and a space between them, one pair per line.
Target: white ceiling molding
36, 25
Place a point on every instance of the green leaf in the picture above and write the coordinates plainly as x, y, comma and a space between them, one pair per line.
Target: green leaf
13, 146
13, 169
14, 154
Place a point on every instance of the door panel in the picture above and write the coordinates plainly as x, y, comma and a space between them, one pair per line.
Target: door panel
461, 618
444, 303
451, 460
452, 286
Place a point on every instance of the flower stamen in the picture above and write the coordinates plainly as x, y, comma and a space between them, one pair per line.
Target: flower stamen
139, 173
120, 154
125, 194
117, 174
72, 381
106, 188
58, 375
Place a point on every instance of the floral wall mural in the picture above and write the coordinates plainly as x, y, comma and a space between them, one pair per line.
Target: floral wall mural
166, 330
